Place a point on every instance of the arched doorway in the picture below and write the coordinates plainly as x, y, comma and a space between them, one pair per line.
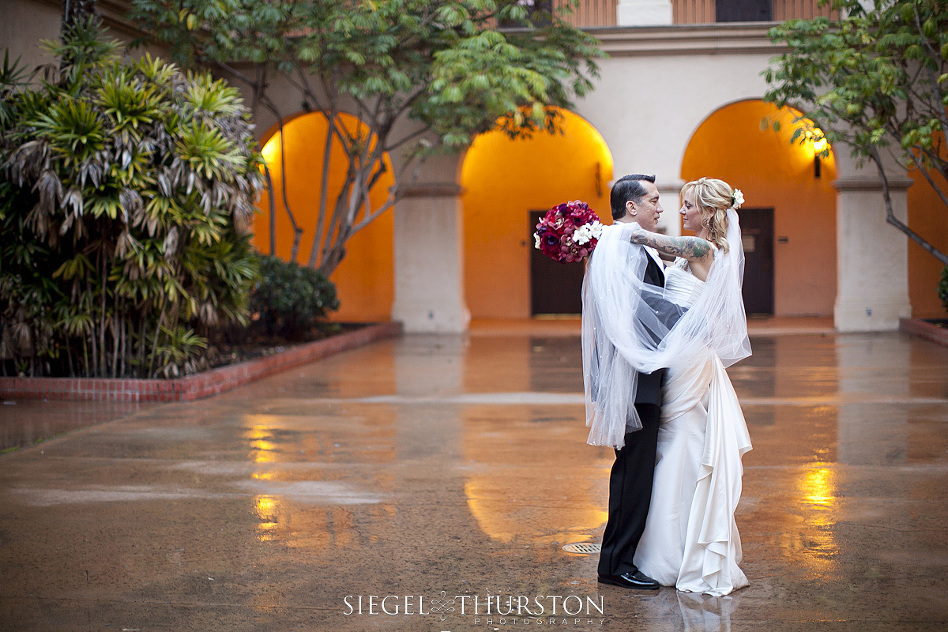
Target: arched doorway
505, 183
364, 279
789, 217
927, 217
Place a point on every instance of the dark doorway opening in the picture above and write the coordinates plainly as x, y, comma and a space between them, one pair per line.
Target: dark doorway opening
744, 11
555, 288
757, 233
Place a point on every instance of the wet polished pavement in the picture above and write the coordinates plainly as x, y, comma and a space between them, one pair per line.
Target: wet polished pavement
430, 483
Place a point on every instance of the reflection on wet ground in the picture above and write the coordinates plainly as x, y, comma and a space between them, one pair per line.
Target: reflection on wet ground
446, 473
27, 422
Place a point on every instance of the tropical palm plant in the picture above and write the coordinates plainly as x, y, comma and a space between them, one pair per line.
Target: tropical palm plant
126, 184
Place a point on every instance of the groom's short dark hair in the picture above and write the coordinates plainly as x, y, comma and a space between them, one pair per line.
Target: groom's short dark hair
627, 188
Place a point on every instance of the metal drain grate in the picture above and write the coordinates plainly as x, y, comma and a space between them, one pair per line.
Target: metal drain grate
583, 547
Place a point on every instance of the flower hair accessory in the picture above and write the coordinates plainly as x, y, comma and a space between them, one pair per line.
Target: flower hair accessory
568, 232
737, 199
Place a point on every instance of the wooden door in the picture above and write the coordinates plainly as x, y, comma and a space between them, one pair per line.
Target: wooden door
757, 233
555, 288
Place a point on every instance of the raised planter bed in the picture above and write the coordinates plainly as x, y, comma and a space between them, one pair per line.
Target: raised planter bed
935, 330
191, 387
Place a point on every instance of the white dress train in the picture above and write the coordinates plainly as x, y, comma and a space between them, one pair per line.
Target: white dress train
691, 539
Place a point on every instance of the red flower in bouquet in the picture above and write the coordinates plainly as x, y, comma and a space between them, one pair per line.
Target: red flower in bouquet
568, 232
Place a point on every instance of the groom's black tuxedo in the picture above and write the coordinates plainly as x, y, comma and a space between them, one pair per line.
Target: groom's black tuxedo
649, 389
630, 483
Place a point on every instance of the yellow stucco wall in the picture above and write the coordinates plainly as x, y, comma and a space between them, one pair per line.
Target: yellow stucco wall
364, 280
771, 172
503, 180
929, 218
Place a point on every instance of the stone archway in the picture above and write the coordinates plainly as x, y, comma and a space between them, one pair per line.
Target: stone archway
364, 280
774, 174
503, 180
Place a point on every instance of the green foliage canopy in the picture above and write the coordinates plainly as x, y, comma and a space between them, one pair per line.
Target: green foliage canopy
875, 80
417, 73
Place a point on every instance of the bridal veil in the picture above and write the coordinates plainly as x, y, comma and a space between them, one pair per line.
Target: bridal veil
625, 330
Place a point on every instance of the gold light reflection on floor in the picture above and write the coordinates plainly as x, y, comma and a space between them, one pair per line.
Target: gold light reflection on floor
818, 487
818, 539
261, 443
264, 450
266, 508
553, 494
494, 504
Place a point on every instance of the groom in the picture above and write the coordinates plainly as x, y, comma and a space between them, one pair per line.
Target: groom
635, 198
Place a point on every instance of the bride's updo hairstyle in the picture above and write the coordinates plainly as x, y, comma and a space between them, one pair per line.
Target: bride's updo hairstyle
713, 197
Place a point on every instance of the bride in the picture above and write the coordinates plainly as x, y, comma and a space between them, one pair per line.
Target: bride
691, 539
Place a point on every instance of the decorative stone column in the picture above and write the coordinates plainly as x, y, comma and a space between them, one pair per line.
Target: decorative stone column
644, 12
872, 255
429, 265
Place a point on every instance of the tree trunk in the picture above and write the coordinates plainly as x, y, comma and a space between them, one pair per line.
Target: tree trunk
895, 221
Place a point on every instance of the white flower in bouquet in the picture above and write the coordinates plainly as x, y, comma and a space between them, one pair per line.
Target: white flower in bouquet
587, 232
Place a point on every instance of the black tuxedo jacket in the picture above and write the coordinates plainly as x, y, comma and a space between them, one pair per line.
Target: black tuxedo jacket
649, 389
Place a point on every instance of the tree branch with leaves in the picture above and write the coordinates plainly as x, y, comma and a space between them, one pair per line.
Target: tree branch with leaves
421, 76
875, 80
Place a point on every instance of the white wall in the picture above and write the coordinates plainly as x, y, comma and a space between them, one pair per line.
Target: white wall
647, 108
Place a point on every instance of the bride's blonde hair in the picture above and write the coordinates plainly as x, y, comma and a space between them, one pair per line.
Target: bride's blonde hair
713, 197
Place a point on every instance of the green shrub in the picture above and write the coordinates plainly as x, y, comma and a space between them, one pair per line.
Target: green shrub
943, 288
290, 300
125, 186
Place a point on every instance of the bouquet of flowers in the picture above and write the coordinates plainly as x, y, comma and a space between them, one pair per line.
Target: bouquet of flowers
568, 232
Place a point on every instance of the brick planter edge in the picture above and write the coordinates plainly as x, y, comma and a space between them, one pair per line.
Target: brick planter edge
926, 330
190, 387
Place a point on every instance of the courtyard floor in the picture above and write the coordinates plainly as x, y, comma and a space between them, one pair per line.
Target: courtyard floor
429, 483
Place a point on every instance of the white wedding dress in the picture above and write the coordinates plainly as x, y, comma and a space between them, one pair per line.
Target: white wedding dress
691, 539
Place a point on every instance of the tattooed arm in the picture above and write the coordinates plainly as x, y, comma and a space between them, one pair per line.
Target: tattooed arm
691, 248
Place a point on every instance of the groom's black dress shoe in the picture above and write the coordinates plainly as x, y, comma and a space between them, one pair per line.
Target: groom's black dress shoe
635, 579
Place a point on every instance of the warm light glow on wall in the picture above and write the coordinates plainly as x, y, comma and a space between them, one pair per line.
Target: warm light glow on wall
813, 142
364, 280
775, 173
926, 214
303, 141
271, 152
503, 180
